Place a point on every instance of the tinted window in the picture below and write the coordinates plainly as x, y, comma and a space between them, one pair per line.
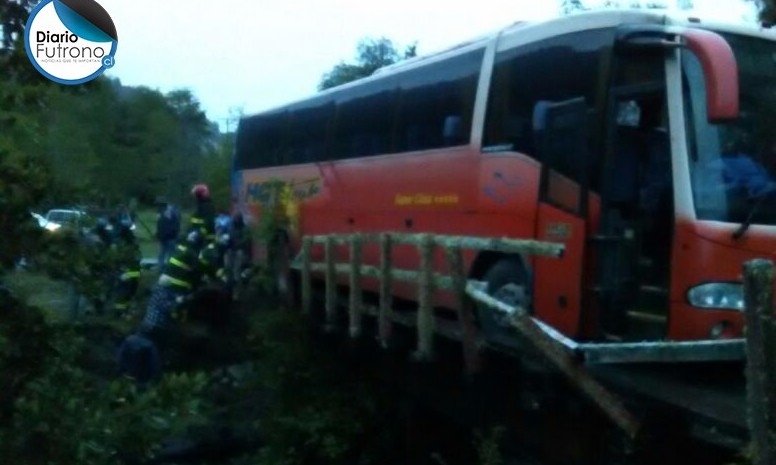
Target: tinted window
437, 102
423, 108
308, 131
554, 70
365, 120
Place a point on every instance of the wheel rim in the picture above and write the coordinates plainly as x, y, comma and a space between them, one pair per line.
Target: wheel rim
514, 295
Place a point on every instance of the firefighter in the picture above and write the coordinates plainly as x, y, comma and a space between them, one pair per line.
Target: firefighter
203, 219
180, 278
211, 260
128, 252
213, 301
97, 245
102, 232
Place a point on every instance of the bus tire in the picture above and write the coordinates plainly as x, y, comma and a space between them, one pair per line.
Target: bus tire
509, 282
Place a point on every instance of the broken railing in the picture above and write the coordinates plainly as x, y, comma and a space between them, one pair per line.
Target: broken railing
567, 355
761, 359
429, 281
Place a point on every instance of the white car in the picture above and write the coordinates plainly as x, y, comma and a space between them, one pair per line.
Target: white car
44, 223
65, 217
57, 218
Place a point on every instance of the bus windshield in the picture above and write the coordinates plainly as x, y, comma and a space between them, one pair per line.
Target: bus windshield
733, 164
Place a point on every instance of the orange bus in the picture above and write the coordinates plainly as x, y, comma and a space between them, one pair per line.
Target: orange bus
623, 135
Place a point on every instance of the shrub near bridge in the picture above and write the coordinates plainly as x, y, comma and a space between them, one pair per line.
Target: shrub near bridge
53, 411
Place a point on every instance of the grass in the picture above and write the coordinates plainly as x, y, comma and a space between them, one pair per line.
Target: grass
146, 229
41, 291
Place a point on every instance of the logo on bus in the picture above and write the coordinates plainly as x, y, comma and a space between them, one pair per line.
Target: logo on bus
557, 231
70, 41
271, 191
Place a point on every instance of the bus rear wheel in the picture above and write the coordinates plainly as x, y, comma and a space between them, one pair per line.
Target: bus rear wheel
508, 282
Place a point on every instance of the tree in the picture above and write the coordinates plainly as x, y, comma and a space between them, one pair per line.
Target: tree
216, 171
13, 17
571, 6
371, 55
568, 7
767, 11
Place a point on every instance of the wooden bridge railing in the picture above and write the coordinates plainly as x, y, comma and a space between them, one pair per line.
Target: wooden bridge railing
758, 295
429, 281
761, 359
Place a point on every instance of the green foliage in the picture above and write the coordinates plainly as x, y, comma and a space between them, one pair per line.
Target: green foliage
217, 170
320, 413
573, 6
767, 10
488, 446
104, 143
89, 267
371, 55
100, 143
23, 176
53, 411
13, 17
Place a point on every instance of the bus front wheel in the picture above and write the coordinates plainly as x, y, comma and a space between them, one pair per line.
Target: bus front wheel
508, 282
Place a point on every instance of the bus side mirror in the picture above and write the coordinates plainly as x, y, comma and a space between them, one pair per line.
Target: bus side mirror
720, 73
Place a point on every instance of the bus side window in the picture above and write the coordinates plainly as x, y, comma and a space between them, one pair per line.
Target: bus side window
555, 70
437, 102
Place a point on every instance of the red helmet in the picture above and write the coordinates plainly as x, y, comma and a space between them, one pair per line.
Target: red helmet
200, 191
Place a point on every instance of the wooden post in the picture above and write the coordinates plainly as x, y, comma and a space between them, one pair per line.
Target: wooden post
355, 285
567, 364
761, 357
385, 322
465, 315
331, 284
307, 291
425, 299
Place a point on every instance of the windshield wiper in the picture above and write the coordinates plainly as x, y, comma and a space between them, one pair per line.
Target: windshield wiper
739, 233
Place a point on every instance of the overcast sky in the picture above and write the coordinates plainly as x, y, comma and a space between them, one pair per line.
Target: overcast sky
254, 55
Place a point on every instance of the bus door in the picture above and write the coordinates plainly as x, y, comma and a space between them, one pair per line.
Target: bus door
562, 146
632, 247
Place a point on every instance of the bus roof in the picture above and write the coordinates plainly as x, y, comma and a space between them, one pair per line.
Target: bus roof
524, 32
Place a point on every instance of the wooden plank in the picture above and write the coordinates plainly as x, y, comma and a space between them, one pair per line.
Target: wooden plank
705, 397
564, 361
440, 281
761, 355
495, 244
425, 300
331, 284
386, 296
307, 291
355, 286
465, 311
663, 351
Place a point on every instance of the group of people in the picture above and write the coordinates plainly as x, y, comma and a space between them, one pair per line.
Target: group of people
115, 236
205, 258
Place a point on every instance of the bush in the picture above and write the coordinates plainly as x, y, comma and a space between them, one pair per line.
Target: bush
54, 411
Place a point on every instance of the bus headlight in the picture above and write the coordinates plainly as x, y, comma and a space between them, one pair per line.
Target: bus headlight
717, 295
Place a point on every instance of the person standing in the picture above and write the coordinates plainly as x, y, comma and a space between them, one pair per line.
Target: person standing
204, 217
167, 230
180, 278
128, 252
